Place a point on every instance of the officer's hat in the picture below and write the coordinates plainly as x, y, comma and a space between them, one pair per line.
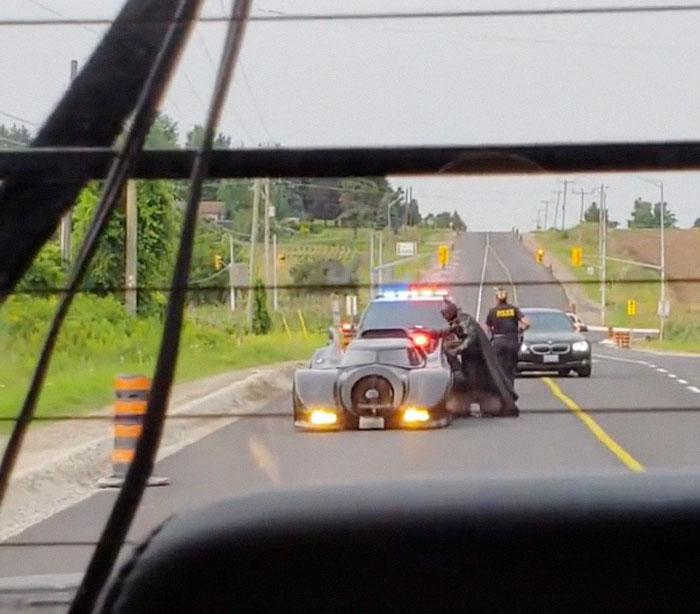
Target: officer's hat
501, 294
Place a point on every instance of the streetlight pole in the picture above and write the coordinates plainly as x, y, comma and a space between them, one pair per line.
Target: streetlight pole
662, 255
546, 204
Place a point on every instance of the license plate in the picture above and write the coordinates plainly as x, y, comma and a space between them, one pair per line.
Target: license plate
371, 422
550, 358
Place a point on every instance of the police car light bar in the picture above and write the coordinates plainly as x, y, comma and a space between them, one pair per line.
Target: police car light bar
412, 292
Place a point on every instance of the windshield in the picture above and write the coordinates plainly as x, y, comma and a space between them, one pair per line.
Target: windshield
548, 155
548, 322
403, 314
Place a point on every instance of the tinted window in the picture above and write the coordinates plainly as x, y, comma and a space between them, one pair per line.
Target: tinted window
358, 357
403, 314
405, 357
544, 321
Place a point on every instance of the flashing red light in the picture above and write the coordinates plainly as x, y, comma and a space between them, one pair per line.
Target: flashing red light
421, 340
346, 326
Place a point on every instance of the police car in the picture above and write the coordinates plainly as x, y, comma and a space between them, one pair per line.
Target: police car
414, 307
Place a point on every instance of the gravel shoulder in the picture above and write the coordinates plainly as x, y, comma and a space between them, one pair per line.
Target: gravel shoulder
60, 463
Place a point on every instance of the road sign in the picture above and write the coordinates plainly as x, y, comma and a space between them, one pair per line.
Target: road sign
539, 254
664, 309
443, 254
218, 262
351, 305
576, 256
406, 248
631, 307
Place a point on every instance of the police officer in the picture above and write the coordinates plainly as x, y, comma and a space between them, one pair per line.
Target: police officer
504, 322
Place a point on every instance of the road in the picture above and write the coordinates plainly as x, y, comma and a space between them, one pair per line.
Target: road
631, 415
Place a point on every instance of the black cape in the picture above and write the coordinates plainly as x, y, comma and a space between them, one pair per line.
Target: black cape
480, 371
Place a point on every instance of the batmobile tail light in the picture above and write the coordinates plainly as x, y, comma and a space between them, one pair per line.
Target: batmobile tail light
346, 327
323, 417
415, 415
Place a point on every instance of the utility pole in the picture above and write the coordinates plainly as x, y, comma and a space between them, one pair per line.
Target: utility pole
583, 193
379, 250
131, 264
662, 262
251, 258
371, 262
539, 221
231, 280
603, 225
556, 208
546, 204
275, 300
266, 235
566, 183
66, 220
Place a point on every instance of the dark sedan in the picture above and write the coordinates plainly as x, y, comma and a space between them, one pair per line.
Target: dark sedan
552, 343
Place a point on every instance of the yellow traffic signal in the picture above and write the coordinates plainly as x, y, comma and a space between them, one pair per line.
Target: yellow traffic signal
539, 254
631, 307
218, 262
443, 255
576, 256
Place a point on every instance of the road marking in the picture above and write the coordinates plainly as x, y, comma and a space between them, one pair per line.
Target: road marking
683, 381
615, 358
623, 456
652, 366
264, 459
671, 375
505, 268
660, 370
483, 274
694, 389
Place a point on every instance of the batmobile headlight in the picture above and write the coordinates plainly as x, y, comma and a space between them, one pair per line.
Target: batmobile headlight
524, 349
413, 415
322, 417
580, 346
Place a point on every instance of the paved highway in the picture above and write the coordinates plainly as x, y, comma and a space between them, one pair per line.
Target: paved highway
610, 422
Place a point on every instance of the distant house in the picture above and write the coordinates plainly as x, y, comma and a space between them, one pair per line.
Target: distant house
213, 210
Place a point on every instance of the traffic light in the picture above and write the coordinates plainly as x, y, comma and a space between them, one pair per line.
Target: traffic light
218, 262
631, 307
576, 256
539, 254
443, 255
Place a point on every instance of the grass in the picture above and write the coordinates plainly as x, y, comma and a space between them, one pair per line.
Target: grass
682, 331
99, 342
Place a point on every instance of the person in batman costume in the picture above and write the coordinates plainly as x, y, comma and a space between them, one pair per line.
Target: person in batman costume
479, 377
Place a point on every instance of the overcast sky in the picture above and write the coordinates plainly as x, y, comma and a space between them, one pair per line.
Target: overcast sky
438, 81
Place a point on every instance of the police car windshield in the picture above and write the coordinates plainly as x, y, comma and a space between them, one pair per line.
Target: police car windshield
548, 321
403, 314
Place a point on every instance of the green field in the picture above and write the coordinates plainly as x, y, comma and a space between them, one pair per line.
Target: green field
98, 342
625, 282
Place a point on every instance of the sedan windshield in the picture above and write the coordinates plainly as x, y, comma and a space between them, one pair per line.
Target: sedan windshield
549, 321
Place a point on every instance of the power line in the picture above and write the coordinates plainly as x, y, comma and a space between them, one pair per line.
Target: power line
296, 17
212, 63
48, 9
19, 119
255, 102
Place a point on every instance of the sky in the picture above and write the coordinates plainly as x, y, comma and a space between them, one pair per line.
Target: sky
412, 82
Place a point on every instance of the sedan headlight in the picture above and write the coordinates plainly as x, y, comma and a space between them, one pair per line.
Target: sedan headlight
580, 346
524, 349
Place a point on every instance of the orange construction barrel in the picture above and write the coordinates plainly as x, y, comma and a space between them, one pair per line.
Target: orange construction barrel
131, 397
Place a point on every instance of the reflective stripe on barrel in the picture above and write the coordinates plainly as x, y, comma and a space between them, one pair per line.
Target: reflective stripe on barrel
131, 392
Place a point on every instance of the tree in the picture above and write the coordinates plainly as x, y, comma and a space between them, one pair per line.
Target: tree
16, 136
457, 222
156, 233
163, 133
261, 317
592, 214
644, 215
696, 224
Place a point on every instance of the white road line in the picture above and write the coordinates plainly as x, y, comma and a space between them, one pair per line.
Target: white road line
483, 274
652, 366
671, 375
615, 358
683, 381
505, 268
660, 370
694, 389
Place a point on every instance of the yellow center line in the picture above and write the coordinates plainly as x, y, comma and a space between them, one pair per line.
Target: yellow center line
623, 456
